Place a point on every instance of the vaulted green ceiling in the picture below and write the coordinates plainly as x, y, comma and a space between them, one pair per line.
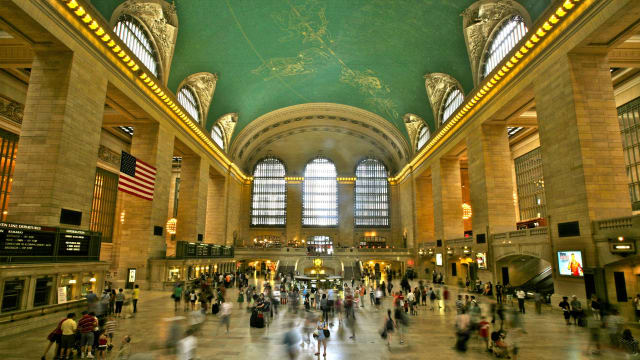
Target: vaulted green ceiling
370, 54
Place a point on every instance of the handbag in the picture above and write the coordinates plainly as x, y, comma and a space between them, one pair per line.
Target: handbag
326, 333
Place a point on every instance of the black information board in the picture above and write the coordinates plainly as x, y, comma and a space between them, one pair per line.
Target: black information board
203, 251
26, 240
191, 250
23, 242
74, 243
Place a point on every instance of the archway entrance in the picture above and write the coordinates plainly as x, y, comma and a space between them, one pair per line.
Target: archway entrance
530, 273
320, 245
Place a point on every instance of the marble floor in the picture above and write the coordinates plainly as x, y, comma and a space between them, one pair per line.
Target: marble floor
430, 335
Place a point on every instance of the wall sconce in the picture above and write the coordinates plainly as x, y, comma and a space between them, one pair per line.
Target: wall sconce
172, 224
92, 280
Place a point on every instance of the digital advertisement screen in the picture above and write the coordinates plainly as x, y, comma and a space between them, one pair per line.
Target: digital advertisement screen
481, 260
570, 263
439, 259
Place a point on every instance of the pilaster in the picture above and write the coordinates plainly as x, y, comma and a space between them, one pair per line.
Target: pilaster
192, 208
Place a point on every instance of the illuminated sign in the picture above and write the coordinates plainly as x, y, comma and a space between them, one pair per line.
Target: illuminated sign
570, 263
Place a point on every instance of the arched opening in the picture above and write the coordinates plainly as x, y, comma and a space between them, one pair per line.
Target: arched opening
529, 273
509, 33
320, 245
320, 193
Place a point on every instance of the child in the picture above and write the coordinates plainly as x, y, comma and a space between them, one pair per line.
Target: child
109, 330
102, 346
483, 329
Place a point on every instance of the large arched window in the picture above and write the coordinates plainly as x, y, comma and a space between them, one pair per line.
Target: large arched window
372, 194
189, 102
217, 136
269, 195
454, 99
131, 32
504, 40
423, 136
320, 193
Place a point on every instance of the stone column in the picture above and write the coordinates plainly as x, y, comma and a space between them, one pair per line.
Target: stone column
490, 180
214, 232
346, 210
424, 210
192, 199
294, 211
447, 198
447, 206
135, 243
583, 163
59, 140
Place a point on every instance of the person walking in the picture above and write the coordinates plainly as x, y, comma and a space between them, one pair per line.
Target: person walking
521, 295
119, 302
372, 295
177, 296
321, 331
54, 338
389, 328
566, 309
225, 314
324, 306
135, 297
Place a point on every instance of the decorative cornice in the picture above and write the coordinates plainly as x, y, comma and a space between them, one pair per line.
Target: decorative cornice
204, 85
161, 21
480, 21
109, 156
413, 123
438, 86
11, 110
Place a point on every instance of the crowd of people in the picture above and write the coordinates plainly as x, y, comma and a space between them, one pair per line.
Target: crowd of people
91, 334
483, 312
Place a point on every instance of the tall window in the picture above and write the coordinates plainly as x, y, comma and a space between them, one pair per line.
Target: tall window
320, 193
216, 135
530, 185
505, 39
454, 99
372, 194
269, 196
187, 99
8, 152
423, 136
629, 117
133, 35
103, 206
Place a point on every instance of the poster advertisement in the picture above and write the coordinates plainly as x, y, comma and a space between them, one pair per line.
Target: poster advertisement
570, 263
62, 294
439, 259
481, 260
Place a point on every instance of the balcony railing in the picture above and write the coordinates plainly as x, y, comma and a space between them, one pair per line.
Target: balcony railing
519, 234
616, 223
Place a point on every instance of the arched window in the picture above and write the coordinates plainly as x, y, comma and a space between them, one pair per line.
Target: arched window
217, 136
189, 102
131, 32
372, 194
423, 136
320, 193
505, 39
454, 99
269, 195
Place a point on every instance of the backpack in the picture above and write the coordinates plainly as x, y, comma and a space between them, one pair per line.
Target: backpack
433, 296
389, 325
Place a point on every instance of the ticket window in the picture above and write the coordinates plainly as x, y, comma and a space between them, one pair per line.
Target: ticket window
12, 295
68, 281
174, 274
88, 283
42, 293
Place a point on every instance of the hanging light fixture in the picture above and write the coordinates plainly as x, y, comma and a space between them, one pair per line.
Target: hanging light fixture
466, 211
172, 224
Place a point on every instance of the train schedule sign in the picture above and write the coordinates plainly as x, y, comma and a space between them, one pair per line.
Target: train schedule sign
26, 240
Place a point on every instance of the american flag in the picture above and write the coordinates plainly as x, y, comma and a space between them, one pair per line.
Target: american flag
136, 177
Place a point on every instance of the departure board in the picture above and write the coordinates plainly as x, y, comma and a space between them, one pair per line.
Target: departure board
26, 240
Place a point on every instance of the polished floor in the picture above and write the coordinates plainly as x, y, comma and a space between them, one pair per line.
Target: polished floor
430, 335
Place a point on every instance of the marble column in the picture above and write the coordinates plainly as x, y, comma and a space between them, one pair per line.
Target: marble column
136, 243
59, 140
583, 163
491, 180
192, 199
